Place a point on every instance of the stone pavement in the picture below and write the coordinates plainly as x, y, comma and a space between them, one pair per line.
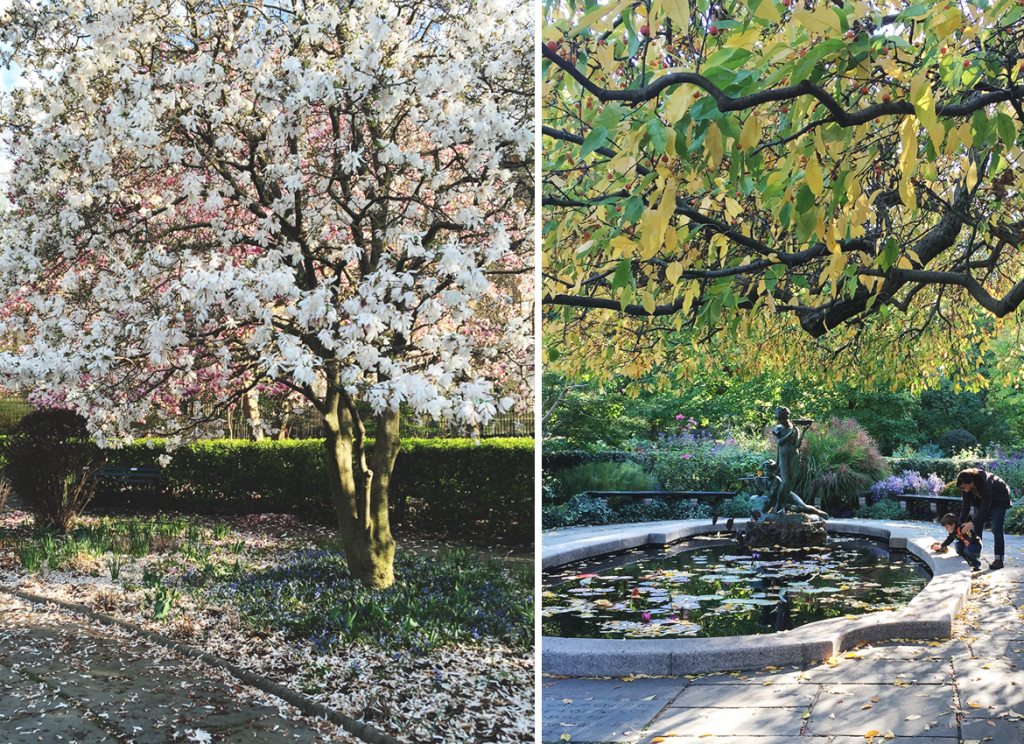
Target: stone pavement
65, 680
966, 689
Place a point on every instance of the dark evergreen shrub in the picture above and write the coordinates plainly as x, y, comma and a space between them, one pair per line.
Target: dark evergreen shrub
955, 441
50, 460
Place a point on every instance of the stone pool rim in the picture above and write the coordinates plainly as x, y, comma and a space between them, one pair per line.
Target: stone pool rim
928, 615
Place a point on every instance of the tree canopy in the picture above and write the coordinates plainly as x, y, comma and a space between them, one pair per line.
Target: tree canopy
753, 185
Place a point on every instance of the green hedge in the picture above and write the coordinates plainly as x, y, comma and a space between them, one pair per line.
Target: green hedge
945, 467
555, 461
483, 487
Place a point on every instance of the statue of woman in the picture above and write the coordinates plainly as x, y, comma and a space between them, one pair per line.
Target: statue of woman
788, 438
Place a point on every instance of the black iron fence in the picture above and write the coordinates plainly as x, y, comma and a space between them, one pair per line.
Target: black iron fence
305, 423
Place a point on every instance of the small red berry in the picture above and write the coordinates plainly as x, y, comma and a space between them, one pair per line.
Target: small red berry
967, 63
886, 98
864, 90
784, 109
713, 30
552, 45
645, 30
618, 207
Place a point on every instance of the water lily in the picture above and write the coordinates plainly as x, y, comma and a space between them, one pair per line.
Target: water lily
645, 616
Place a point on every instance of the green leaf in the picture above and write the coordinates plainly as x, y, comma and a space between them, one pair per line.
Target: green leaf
632, 209
806, 64
890, 253
914, 11
659, 137
594, 140
1007, 132
805, 200
622, 274
610, 116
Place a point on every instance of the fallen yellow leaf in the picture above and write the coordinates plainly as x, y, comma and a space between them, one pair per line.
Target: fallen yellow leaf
657, 739
870, 733
865, 707
566, 700
566, 737
912, 718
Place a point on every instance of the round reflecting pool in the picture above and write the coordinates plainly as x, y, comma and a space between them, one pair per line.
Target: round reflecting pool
708, 586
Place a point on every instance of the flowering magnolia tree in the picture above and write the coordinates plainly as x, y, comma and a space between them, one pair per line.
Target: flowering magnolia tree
332, 198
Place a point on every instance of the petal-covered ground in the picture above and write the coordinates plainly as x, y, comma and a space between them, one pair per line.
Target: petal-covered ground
475, 691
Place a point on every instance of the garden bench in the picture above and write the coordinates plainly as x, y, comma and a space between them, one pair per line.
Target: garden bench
646, 497
127, 476
933, 501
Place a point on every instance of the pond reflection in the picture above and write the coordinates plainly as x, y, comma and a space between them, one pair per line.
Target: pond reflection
709, 586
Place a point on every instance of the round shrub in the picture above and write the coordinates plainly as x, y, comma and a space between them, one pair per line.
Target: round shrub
955, 441
50, 461
887, 509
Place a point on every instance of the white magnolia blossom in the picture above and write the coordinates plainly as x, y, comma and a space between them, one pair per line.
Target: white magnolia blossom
284, 194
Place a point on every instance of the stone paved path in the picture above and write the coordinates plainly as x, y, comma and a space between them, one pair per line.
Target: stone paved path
958, 691
65, 680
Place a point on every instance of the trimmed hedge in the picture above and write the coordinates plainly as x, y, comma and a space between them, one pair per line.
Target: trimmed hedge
945, 467
483, 487
554, 461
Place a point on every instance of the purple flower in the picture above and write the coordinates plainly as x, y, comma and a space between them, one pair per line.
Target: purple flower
645, 616
679, 416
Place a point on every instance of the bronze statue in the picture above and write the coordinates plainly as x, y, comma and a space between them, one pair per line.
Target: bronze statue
788, 437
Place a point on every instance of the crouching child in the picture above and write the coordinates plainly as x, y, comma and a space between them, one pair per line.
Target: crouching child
966, 542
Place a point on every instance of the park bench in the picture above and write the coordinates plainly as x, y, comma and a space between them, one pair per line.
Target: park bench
647, 497
108, 477
933, 501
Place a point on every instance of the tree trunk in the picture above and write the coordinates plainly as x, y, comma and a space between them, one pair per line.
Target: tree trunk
359, 492
251, 411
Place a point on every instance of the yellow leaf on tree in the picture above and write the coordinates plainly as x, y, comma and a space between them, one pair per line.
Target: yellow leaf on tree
820, 21
648, 302
764, 9
674, 272
943, 24
972, 176
744, 40
713, 144
751, 133
924, 106
907, 193
908, 146
814, 178
678, 11
678, 103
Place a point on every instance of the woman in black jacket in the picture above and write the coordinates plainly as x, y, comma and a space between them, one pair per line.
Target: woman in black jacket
989, 495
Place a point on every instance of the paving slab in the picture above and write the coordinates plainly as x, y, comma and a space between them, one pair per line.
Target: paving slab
788, 675
728, 722
745, 696
873, 671
915, 651
1001, 732
862, 708
602, 721
995, 686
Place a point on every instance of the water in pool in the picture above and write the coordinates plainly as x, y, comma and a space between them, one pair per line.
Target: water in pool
709, 586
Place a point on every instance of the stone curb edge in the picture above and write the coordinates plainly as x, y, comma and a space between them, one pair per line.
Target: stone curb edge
929, 615
308, 707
